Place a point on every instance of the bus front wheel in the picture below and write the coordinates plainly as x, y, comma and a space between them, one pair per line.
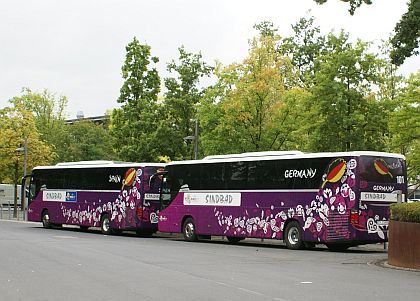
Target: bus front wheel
105, 224
46, 219
294, 236
188, 229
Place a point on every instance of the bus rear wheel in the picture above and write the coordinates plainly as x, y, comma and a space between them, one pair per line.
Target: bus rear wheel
338, 247
46, 219
233, 239
294, 236
105, 224
188, 229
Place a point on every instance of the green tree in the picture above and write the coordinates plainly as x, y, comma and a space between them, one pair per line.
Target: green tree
87, 140
303, 48
49, 116
181, 99
405, 42
349, 116
406, 39
16, 125
250, 108
404, 124
354, 4
134, 124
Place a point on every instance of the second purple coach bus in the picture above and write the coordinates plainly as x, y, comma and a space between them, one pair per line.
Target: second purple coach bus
337, 199
112, 196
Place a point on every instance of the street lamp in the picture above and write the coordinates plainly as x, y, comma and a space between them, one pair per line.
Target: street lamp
195, 139
23, 149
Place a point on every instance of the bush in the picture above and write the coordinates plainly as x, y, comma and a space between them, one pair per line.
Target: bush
406, 212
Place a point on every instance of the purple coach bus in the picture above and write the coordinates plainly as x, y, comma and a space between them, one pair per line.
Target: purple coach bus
337, 199
110, 195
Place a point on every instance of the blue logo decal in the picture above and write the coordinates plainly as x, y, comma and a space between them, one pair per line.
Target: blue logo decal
71, 196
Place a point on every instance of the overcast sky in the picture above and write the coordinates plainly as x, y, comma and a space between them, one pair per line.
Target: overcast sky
76, 47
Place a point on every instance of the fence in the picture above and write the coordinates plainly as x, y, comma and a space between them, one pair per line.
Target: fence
7, 210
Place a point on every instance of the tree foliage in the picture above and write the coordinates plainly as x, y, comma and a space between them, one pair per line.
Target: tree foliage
303, 48
349, 117
16, 125
86, 140
133, 125
406, 40
181, 99
405, 126
251, 108
354, 4
49, 116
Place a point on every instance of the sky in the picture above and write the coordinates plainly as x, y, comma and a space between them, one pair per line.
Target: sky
76, 48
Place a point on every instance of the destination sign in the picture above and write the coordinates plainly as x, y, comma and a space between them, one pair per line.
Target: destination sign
212, 199
54, 196
380, 197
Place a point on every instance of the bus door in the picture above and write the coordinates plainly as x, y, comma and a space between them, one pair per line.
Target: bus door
149, 209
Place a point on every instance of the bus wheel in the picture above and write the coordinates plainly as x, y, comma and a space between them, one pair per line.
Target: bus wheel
105, 224
309, 245
46, 219
338, 247
144, 233
188, 229
233, 239
293, 236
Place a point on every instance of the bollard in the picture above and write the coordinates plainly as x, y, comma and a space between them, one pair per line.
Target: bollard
1, 211
17, 215
10, 216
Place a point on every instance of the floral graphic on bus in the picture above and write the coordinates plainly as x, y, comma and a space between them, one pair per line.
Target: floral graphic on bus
128, 198
324, 218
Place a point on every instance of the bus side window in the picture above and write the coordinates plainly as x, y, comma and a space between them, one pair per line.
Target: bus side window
236, 174
212, 177
261, 175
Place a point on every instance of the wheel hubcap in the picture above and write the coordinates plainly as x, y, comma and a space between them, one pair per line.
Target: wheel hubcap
46, 219
189, 230
105, 225
293, 236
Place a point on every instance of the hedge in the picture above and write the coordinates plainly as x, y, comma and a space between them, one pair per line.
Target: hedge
406, 212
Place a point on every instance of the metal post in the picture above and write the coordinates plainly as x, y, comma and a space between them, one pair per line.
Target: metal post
25, 160
25, 156
10, 216
1, 212
196, 140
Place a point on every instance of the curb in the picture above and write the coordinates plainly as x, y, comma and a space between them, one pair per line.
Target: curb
384, 264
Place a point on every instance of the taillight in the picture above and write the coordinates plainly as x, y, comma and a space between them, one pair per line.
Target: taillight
139, 212
354, 217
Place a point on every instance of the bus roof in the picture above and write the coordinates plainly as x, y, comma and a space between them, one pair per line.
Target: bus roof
97, 164
284, 156
253, 155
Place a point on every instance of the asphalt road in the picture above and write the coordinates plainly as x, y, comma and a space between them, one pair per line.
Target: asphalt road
67, 264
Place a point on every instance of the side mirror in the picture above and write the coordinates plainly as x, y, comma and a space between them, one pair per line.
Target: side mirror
153, 177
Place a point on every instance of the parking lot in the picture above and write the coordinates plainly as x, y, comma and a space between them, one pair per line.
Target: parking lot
68, 264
